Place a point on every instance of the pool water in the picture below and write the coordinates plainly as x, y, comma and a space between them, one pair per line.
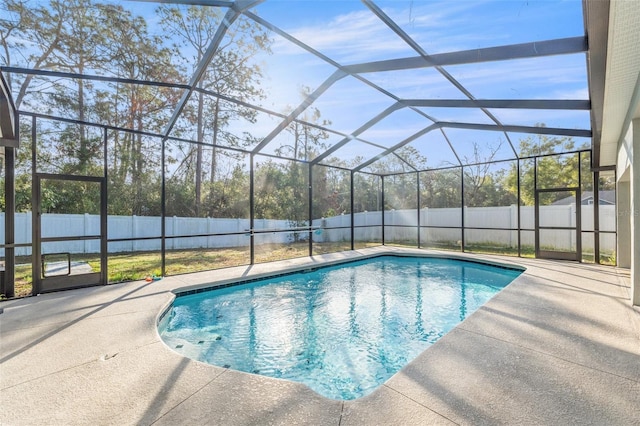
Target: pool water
342, 330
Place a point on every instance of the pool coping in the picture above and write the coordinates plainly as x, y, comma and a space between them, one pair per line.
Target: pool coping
560, 344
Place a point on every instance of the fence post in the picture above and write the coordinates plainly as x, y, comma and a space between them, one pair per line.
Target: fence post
28, 231
425, 222
174, 232
134, 232
463, 242
22, 251
2, 238
209, 238
86, 248
513, 218
572, 223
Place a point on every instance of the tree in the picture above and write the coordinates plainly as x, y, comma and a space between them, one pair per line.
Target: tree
228, 195
62, 36
553, 171
231, 73
331, 192
306, 142
483, 178
78, 49
39, 27
440, 188
134, 163
82, 36
401, 188
270, 190
367, 192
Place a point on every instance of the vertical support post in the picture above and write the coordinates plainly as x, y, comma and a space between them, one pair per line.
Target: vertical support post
518, 217
104, 247
353, 217
635, 215
36, 265
8, 284
596, 217
418, 203
382, 205
251, 209
579, 210
462, 212
163, 209
536, 209
310, 209
616, 217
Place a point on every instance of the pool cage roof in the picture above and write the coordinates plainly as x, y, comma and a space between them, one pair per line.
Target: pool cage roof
428, 84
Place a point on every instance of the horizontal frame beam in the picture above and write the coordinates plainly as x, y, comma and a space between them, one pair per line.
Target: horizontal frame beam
211, 3
563, 46
583, 133
473, 126
500, 103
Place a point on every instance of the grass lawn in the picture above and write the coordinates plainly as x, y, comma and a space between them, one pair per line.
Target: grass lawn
133, 266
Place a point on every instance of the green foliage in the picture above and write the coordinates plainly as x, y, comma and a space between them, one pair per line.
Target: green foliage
281, 191
367, 192
440, 188
232, 73
87, 36
553, 171
400, 192
227, 197
331, 192
204, 179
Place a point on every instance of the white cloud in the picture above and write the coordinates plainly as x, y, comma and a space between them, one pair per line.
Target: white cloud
353, 37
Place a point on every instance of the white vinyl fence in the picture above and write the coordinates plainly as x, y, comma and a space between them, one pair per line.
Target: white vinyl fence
146, 231
369, 228
505, 217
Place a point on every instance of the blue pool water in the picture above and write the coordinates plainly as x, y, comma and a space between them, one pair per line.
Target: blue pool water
342, 330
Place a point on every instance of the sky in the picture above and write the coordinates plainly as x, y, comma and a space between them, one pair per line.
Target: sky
348, 32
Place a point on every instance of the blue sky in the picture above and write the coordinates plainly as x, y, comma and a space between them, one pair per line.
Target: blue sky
349, 33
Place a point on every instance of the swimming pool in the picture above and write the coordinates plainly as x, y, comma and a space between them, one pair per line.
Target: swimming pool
342, 330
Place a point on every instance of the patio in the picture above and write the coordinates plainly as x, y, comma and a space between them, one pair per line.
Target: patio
560, 345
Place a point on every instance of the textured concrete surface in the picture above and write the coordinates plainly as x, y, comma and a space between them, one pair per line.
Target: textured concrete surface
560, 345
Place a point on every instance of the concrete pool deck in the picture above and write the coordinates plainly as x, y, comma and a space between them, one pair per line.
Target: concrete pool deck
559, 345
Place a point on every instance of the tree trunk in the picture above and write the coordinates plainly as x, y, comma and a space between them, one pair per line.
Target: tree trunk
139, 164
83, 150
198, 188
214, 164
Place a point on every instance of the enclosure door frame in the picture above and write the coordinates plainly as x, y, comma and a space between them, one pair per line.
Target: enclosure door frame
553, 254
44, 284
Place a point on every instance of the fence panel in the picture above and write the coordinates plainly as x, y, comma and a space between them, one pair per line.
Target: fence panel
368, 228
